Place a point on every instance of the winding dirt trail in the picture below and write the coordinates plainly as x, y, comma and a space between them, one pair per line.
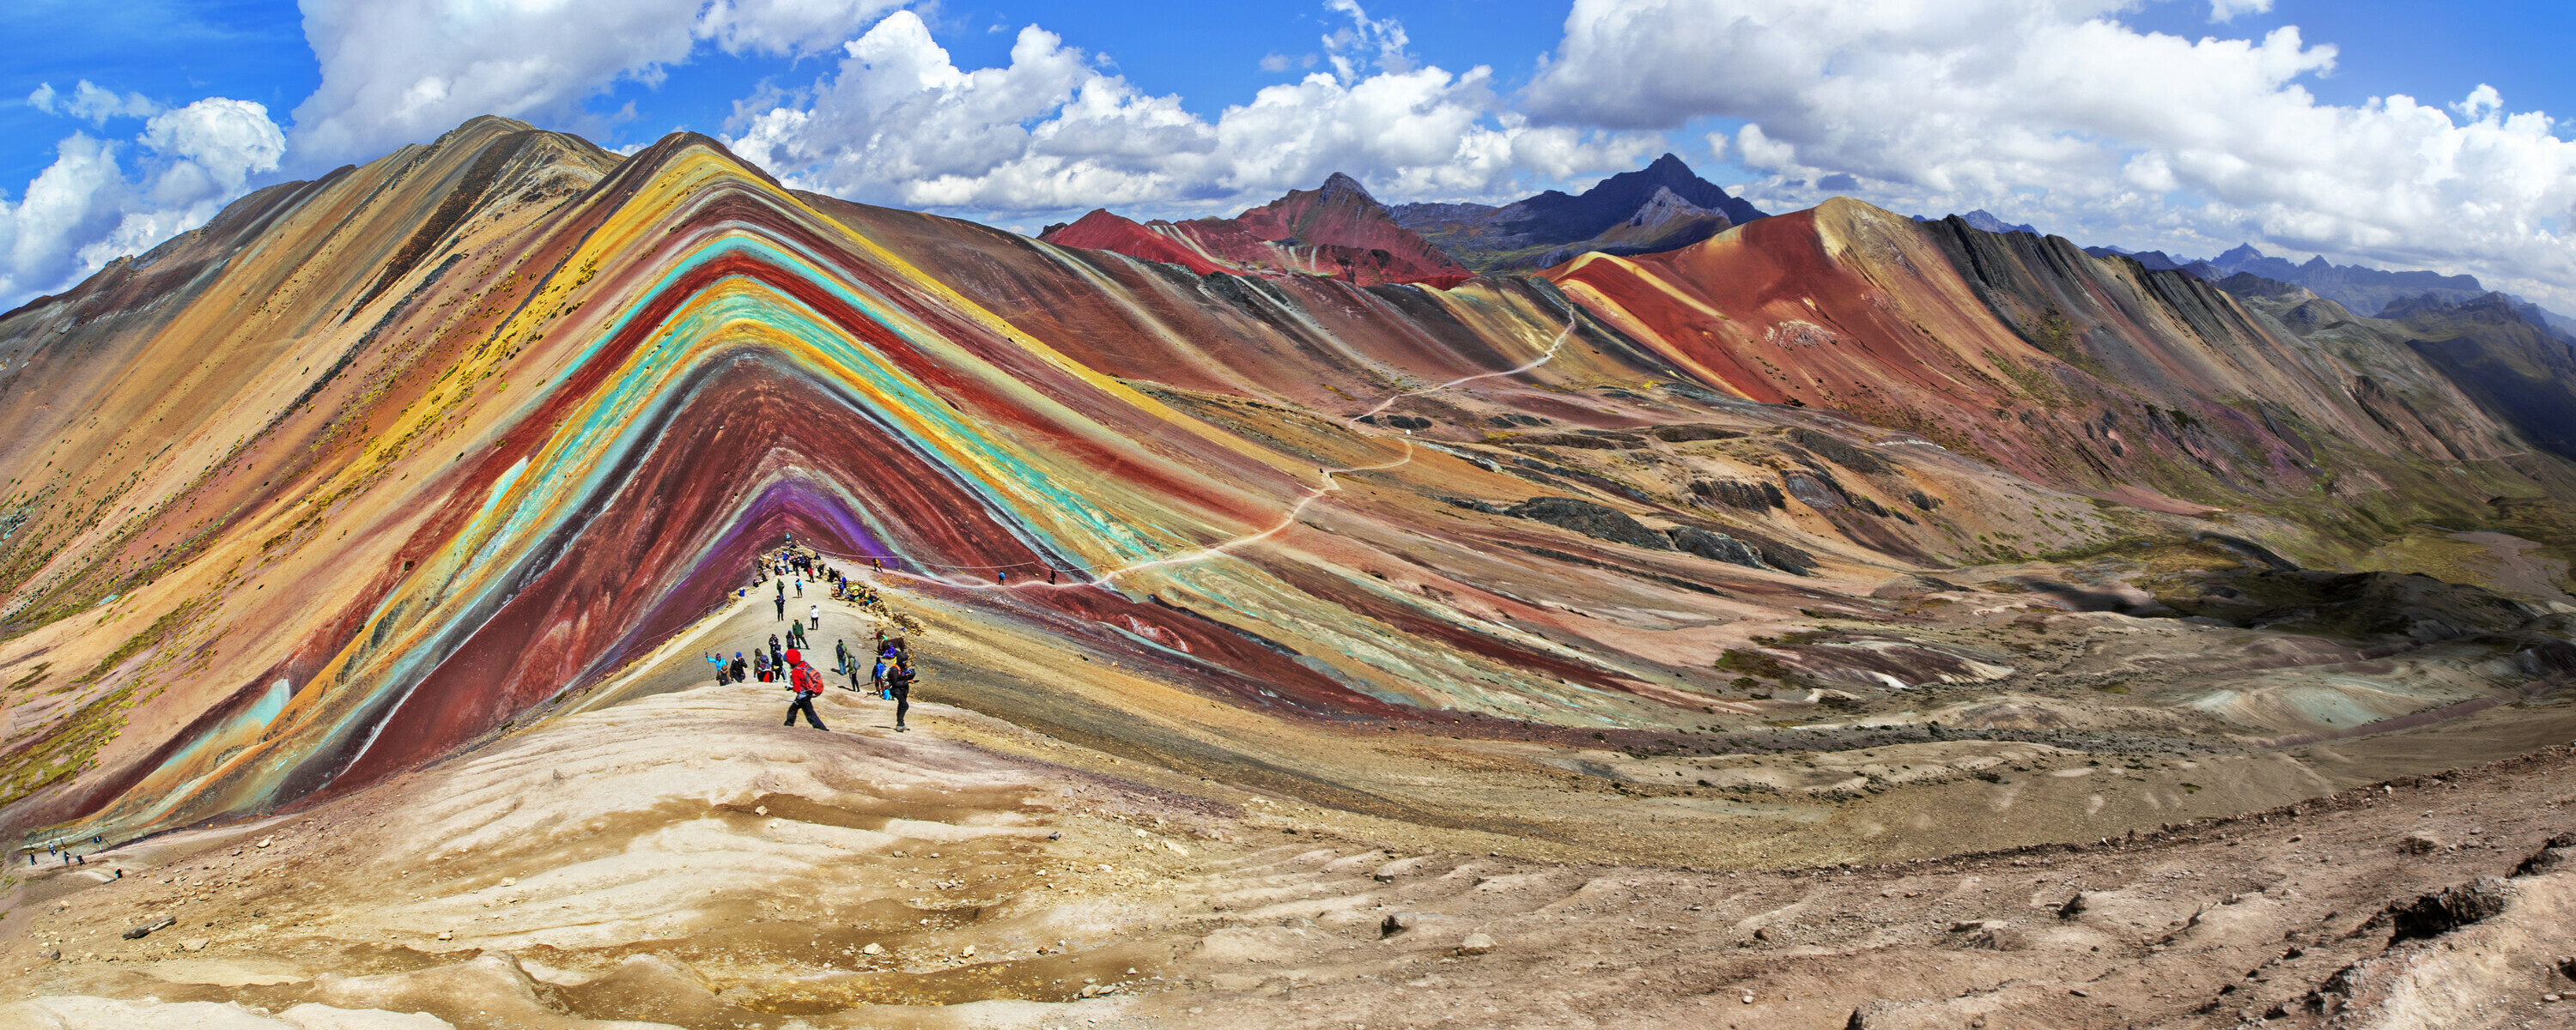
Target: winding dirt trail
1295, 511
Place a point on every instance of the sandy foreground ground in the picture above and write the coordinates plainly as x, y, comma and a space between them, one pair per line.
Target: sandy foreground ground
664, 853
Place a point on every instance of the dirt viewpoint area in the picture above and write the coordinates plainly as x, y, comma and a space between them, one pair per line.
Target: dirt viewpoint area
663, 853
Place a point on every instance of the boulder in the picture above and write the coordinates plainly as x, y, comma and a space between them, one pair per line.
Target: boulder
2433, 915
1715, 546
1592, 520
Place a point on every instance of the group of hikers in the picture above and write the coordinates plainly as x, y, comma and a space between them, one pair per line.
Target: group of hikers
890, 677
65, 852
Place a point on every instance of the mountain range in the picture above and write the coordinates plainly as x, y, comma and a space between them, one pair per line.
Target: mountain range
362, 552
1339, 230
420, 446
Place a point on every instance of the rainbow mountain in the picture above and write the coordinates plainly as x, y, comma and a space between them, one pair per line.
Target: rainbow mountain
378, 466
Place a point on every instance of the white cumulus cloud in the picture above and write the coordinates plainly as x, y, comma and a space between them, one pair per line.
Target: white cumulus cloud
404, 71
86, 209
2056, 112
898, 122
92, 103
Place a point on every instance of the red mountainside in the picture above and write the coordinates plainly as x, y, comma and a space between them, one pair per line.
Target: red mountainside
1337, 230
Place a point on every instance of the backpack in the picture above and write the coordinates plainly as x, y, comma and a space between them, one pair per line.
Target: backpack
804, 680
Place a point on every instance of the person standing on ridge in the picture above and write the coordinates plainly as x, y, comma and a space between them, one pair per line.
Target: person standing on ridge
899, 686
852, 669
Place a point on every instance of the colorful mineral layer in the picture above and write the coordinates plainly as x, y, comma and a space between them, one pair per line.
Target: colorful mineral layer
1829, 618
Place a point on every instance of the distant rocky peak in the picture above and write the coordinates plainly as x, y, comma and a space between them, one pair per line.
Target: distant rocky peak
1665, 206
1338, 186
1671, 168
1988, 221
2237, 255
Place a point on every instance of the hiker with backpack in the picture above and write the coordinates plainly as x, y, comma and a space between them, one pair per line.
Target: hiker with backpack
806, 683
899, 686
888, 651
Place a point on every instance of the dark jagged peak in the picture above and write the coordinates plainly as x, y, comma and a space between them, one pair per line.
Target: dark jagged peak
1663, 206
1555, 215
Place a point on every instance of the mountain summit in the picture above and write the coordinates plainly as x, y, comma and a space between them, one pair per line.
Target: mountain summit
1337, 230
1663, 206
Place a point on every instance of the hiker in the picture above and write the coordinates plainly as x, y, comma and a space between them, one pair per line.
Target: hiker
777, 655
802, 679
782, 604
815, 613
800, 586
840, 655
717, 660
760, 665
899, 686
890, 654
1001, 577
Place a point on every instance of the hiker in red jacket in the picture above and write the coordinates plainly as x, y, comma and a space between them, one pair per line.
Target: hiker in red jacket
802, 679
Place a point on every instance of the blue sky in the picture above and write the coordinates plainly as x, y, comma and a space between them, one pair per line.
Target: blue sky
1567, 101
